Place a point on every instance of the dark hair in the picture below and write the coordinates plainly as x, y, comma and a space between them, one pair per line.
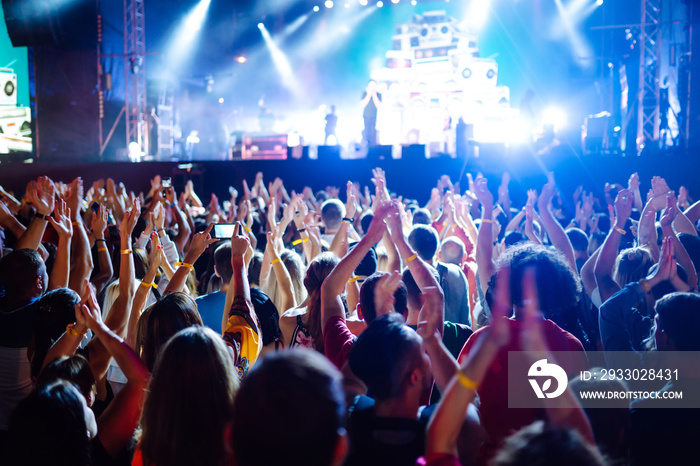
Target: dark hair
48, 427
299, 389
679, 317
332, 213
578, 238
190, 400
558, 285
424, 240
222, 261
543, 444
254, 268
369, 312
604, 223
691, 243
368, 264
140, 263
366, 220
413, 292
383, 354
174, 312
422, 217
514, 237
75, 369
55, 310
318, 270
19, 271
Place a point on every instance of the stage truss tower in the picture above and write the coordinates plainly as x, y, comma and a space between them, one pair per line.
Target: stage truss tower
648, 115
135, 73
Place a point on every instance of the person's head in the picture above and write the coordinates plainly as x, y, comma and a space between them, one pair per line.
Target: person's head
595, 241
424, 240
388, 357
542, 444
366, 304
23, 275
366, 220
190, 400
413, 292
319, 269
76, 369
452, 250
298, 388
579, 240
172, 313
677, 322
558, 285
632, 265
332, 108
53, 425
55, 310
610, 423
254, 267
512, 238
222, 262
422, 217
332, 213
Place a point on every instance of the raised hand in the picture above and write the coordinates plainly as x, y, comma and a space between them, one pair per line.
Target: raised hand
131, 216
378, 227
384, 293
99, 222
547, 193
42, 196
623, 207
683, 197
75, 197
239, 242
61, 220
429, 321
503, 188
351, 203
633, 183
670, 212
200, 242
482, 192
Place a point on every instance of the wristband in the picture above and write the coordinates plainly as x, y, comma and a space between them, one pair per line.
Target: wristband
173, 205
184, 264
299, 241
124, 252
274, 261
101, 249
645, 285
72, 331
412, 258
149, 285
347, 220
465, 381
41, 216
620, 230
77, 224
100, 239
486, 220
303, 230
246, 228
353, 279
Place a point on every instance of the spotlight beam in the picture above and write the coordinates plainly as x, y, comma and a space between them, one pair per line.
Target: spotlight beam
281, 62
183, 39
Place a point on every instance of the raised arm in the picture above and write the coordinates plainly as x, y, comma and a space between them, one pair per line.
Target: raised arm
61, 266
200, 242
281, 274
144, 289
81, 259
556, 233
608, 253
99, 225
117, 424
42, 198
484, 241
682, 257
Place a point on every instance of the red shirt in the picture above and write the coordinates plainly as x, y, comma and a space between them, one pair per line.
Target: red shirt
498, 420
337, 341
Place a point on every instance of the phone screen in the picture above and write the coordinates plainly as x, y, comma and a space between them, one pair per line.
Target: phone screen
224, 230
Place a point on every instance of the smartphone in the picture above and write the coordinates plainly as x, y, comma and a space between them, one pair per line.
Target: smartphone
224, 230
166, 183
95, 207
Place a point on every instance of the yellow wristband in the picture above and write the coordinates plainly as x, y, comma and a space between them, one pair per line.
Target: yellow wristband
149, 285
645, 285
620, 230
465, 381
101, 249
274, 261
125, 251
246, 228
412, 258
353, 279
184, 264
298, 241
70, 330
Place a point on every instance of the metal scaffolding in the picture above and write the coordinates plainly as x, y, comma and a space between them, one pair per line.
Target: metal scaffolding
649, 70
135, 104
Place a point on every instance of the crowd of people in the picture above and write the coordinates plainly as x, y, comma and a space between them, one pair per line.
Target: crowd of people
339, 327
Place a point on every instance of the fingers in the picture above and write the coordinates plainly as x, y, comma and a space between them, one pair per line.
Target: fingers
208, 230
237, 229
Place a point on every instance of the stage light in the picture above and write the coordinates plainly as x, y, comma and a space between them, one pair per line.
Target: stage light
282, 64
363, 2
221, 100
347, 5
554, 116
478, 13
261, 26
316, 8
328, 4
599, 2
241, 59
414, 2
380, 4
182, 42
394, 1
